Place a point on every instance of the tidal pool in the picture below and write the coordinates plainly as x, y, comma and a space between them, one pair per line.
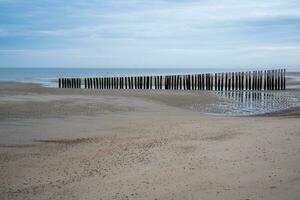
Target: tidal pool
237, 103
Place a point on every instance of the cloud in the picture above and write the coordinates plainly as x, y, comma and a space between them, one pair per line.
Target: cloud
107, 31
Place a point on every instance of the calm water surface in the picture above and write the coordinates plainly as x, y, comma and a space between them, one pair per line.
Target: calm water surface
232, 103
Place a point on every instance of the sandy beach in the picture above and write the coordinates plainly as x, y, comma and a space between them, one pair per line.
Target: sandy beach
122, 144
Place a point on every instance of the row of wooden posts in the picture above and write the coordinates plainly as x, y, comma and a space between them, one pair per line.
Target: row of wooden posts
255, 80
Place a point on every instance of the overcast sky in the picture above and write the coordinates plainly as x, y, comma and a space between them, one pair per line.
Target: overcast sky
153, 33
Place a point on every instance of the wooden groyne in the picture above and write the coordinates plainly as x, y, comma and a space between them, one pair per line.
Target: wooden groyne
250, 80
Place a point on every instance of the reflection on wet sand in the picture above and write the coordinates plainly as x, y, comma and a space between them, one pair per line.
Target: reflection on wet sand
252, 102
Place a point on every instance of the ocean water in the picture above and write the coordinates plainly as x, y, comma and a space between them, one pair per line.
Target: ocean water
235, 103
47, 76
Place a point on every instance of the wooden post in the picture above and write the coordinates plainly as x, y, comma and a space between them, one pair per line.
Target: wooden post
206, 82
275, 79
278, 79
281, 79
166, 82
254, 80
257, 80
229, 80
232, 81
225, 81
140, 82
246, 80
130, 82
272, 80
263, 79
220, 79
284, 79
186, 82
236, 81
59, 83
199, 81
268, 79
243, 80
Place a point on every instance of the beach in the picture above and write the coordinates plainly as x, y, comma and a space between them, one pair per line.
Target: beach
139, 144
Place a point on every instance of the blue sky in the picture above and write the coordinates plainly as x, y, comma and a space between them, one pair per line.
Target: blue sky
153, 33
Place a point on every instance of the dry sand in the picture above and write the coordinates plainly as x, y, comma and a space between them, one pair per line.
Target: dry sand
93, 144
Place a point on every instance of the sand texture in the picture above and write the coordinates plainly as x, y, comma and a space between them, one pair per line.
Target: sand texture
95, 144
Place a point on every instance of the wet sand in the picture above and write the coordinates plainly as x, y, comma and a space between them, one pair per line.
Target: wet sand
93, 144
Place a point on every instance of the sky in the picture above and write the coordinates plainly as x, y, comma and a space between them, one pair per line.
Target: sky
149, 33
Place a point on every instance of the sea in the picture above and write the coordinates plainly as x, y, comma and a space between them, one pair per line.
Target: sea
48, 76
234, 103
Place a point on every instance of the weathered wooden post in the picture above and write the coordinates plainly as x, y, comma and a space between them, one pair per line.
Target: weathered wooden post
272, 80
278, 79
260, 80
281, 79
222, 81
59, 83
268, 80
254, 81
246, 80
284, 79
257, 79
211, 81
230, 80
131, 84
206, 82
166, 82
236, 81
275, 79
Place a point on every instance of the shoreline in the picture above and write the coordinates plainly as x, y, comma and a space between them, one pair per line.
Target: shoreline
40, 88
215, 96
